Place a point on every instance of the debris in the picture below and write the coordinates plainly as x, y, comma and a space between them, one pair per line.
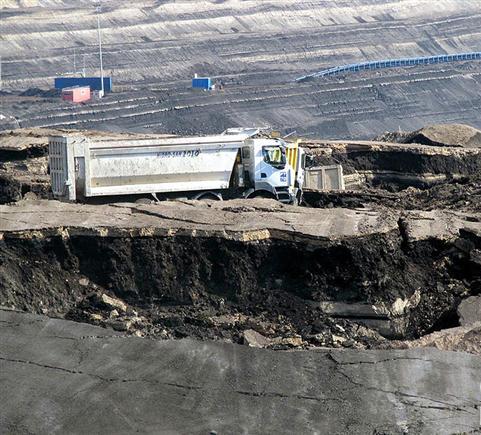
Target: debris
113, 302
337, 339
96, 317
114, 314
119, 325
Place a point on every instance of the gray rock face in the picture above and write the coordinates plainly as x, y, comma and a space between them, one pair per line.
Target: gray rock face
64, 377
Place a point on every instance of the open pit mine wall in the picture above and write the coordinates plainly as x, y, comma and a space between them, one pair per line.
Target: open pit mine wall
409, 265
257, 49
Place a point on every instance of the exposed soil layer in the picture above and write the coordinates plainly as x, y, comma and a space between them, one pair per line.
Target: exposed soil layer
214, 288
462, 194
400, 159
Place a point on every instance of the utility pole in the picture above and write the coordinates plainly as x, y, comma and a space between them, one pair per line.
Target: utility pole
102, 91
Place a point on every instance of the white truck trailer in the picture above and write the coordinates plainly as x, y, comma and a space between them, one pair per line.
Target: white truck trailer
235, 164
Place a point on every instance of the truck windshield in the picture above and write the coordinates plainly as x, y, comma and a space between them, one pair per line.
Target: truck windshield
275, 156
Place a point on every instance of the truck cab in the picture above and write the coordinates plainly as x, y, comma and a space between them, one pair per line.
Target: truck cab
270, 170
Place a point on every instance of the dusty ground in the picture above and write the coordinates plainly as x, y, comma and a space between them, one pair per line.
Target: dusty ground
381, 267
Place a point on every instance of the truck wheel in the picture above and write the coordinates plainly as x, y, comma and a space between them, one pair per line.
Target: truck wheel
262, 194
210, 196
143, 201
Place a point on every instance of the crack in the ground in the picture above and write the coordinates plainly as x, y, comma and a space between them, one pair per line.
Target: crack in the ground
402, 358
263, 394
159, 215
401, 394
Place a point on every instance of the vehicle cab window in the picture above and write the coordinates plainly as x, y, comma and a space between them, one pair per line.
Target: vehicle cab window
274, 156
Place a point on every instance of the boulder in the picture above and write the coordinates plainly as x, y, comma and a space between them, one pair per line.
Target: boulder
469, 311
113, 303
253, 339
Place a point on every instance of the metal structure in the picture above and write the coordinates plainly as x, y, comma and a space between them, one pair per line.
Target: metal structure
77, 94
204, 83
392, 63
102, 90
324, 178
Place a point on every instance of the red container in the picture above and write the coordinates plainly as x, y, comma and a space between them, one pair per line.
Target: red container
77, 94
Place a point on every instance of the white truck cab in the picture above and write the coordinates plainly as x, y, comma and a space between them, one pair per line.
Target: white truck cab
270, 171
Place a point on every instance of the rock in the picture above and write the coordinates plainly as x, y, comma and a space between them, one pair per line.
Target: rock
84, 282
96, 317
337, 339
253, 339
120, 325
318, 339
294, 341
30, 196
261, 326
114, 314
475, 257
365, 332
113, 302
460, 339
469, 311
228, 320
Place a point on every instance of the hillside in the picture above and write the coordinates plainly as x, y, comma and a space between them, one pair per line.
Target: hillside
153, 48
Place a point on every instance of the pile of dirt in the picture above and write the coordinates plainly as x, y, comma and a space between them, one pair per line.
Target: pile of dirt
449, 135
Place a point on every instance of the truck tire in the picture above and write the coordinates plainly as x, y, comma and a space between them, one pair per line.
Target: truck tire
262, 194
210, 196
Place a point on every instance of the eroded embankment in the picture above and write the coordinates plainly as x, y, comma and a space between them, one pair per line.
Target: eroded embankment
395, 166
397, 281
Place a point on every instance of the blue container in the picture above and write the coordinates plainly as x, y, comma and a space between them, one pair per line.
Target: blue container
202, 83
93, 82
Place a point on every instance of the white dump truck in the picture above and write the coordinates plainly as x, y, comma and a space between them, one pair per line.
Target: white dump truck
237, 163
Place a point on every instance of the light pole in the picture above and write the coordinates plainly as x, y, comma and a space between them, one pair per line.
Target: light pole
102, 90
